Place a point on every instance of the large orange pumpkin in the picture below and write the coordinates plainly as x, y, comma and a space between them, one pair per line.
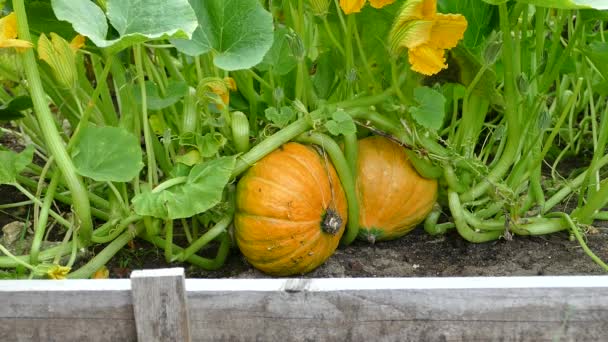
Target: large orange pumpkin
393, 197
291, 211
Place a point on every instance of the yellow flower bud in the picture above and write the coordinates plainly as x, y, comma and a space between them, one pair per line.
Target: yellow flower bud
319, 7
61, 57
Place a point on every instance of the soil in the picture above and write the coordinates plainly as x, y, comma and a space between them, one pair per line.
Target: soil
415, 255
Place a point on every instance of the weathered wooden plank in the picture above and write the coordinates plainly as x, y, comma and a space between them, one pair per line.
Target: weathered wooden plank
387, 309
74, 310
401, 309
160, 306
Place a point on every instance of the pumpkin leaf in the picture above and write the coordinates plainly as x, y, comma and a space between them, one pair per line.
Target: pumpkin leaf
173, 93
569, 4
201, 190
342, 123
240, 32
597, 52
280, 117
108, 154
279, 58
135, 21
431, 108
13, 163
12, 109
209, 144
482, 18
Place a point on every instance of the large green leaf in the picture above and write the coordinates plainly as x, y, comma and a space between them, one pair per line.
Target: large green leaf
42, 20
12, 164
240, 32
570, 4
108, 154
135, 21
201, 190
279, 58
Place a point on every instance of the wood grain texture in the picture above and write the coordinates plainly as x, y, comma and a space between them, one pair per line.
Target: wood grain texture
402, 315
386, 309
66, 316
159, 305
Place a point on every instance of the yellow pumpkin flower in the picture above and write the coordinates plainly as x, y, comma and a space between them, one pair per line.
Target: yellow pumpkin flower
380, 3
77, 43
352, 6
355, 6
8, 33
102, 273
58, 272
426, 34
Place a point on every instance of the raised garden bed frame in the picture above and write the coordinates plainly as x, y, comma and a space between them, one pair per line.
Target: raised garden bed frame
161, 305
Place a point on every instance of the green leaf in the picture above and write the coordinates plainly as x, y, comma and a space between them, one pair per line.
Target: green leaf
135, 21
431, 108
279, 58
280, 118
12, 110
597, 52
173, 93
108, 154
569, 4
209, 144
495, 2
481, 18
13, 163
342, 123
42, 20
240, 32
201, 190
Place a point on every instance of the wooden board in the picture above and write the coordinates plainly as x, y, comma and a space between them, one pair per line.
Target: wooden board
385, 309
66, 310
427, 309
160, 306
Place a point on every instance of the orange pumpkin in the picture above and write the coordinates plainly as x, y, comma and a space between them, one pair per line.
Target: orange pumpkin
290, 211
393, 197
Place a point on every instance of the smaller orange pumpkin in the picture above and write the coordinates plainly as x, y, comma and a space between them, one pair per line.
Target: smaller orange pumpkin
290, 211
393, 197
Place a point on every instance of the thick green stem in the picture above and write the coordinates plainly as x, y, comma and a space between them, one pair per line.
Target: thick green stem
204, 263
463, 227
209, 236
270, 144
51, 135
47, 254
152, 176
596, 202
106, 254
351, 151
346, 178
169, 238
43, 218
113, 234
579, 237
511, 115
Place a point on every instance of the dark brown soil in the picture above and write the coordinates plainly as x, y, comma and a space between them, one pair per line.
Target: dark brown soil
415, 255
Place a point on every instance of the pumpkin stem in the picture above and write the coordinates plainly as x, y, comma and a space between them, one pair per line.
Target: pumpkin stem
331, 222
